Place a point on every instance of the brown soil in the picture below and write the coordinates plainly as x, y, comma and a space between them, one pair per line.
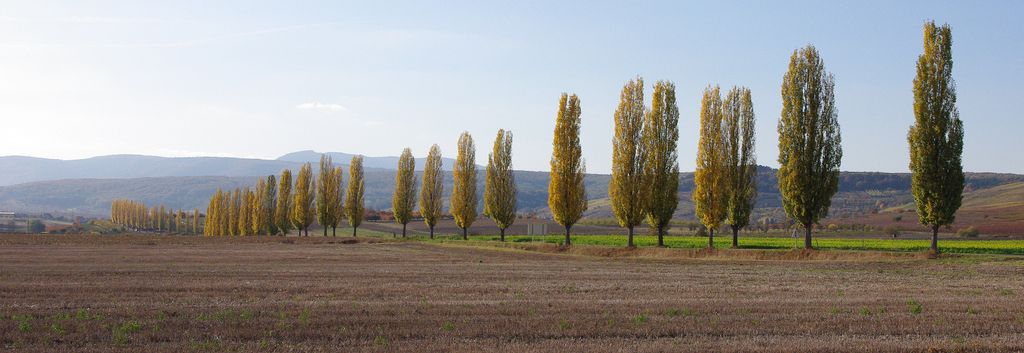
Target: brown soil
174, 294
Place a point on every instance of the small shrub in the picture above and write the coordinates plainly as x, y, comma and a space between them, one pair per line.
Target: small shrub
564, 325
121, 334
640, 319
915, 306
969, 232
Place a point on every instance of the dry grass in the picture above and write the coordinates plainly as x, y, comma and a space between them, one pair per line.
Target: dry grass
172, 294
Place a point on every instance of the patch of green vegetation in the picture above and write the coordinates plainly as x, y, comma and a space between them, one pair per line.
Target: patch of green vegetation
381, 340
1005, 291
448, 326
914, 306
24, 322
122, 333
640, 319
57, 329
865, 311
564, 324
959, 246
304, 316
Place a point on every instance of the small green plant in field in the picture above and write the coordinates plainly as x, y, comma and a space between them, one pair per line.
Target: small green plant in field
640, 319
971, 311
672, 312
24, 322
57, 329
161, 316
122, 333
915, 306
865, 311
1006, 291
835, 310
381, 340
564, 325
62, 317
304, 316
246, 315
448, 326
82, 314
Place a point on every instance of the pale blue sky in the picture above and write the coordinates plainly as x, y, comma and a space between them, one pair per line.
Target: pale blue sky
260, 79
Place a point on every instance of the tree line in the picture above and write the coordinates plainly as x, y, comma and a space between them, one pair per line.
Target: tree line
645, 170
137, 216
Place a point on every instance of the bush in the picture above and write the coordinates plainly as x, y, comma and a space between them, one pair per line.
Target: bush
969, 232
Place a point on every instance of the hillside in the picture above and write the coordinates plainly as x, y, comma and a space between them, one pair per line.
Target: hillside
388, 162
18, 169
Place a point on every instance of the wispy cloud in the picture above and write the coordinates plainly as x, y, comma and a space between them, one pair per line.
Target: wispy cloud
322, 107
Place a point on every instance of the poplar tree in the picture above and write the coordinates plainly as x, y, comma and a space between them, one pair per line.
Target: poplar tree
209, 228
404, 199
195, 221
325, 195
256, 217
433, 189
463, 199
937, 137
626, 189
302, 205
269, 203
740, 162
337, 199
810, 148
661, 169
224, 215
567, 195
709, 178
283, 210
354, 208
233, 212
245, 212
500, 184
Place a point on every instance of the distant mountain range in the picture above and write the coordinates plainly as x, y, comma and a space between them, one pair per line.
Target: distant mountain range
86, 186
19, 169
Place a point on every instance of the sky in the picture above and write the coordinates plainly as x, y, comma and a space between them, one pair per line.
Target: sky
261, 79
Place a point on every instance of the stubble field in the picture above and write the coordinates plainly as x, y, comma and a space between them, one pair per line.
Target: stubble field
172, 294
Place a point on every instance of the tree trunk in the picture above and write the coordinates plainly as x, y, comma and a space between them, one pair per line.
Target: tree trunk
661, 236
431, 232
711, 238
465, 236
334, 231
629, 241
503, 234
735, 237
354, 231
807, 236
403, 230
935, 239
325, 231
568, 241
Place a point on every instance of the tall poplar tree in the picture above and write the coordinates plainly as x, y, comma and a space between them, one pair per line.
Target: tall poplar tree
463, 199
709, 178
661, 169
567, 195
302, 205
245, 212
810, 149
325, 194
626, 188
269, 204
740, 162
195, 221
937, 137
338, 199
432, 189
233, 211
354, 207
404, 199
283, 210
256, 220
500, 184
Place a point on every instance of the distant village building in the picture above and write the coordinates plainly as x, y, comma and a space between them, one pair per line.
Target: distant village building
6, 216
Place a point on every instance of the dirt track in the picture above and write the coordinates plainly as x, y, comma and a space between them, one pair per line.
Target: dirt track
148, 293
